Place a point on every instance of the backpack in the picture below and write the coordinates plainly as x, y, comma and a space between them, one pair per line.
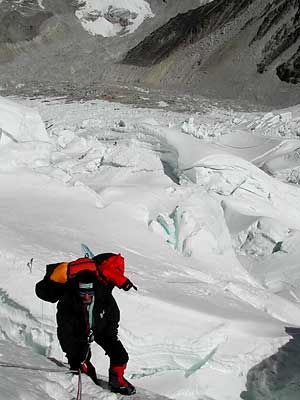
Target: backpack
47, 289
106, 267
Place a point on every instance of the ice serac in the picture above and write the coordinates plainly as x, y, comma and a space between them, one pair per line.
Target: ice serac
277, 376
20, 123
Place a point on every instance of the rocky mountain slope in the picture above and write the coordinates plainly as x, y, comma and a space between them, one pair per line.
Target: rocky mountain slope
245, 49
42, 42
278, 30
230, 47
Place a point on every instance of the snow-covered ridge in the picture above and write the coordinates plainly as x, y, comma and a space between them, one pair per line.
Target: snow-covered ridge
113, 17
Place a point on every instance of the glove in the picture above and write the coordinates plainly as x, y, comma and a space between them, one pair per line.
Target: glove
75, 364
82, 355
127, 285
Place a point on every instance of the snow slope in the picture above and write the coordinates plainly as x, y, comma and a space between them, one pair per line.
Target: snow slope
180, 207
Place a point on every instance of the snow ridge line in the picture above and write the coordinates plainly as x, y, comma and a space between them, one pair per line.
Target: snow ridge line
9, 135
11, 365
45, 369
24, 328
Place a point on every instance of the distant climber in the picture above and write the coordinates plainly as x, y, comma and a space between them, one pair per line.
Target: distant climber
87, 312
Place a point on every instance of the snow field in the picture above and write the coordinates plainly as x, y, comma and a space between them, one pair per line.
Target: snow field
179, 208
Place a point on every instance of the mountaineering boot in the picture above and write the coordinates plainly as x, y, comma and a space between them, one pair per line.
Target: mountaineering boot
88, 368
117, 383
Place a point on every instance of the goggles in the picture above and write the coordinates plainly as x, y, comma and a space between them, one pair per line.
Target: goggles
86, 292
86, 289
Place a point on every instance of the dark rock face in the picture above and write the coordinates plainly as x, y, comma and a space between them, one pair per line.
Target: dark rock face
285, 16
272, 15
20, 21
15, 27
273, 26
183, 30
290, 70
277, 377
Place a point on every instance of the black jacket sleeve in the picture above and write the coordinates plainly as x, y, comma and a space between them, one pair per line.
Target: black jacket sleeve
49, 291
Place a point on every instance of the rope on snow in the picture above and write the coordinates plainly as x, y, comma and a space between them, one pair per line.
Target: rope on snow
79, 386
45, 369
10, 365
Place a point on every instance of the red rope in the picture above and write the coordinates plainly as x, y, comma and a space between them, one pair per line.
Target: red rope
79, 386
